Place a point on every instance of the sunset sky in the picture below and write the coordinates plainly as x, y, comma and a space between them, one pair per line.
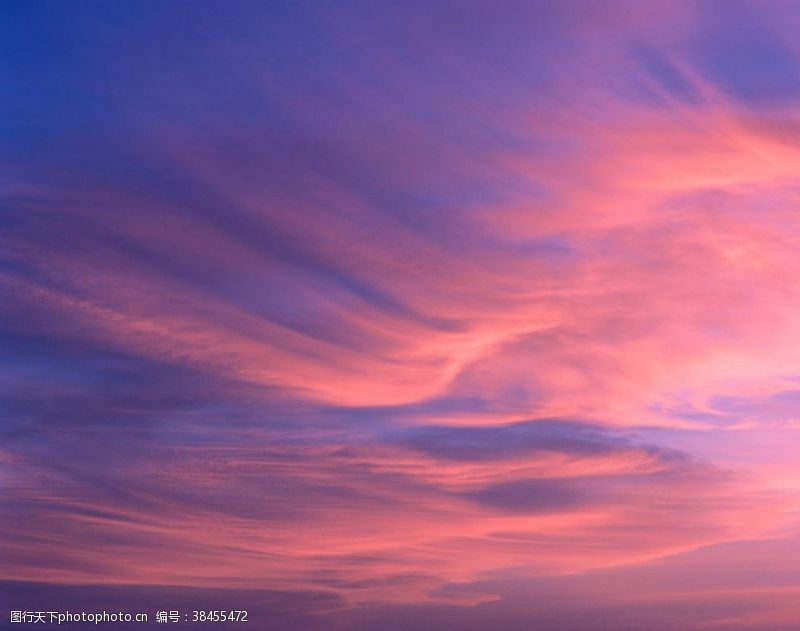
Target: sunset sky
402, 316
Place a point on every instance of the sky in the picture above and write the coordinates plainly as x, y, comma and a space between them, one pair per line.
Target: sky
427, 315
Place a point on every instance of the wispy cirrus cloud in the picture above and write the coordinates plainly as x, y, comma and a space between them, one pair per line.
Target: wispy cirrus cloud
386, 304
